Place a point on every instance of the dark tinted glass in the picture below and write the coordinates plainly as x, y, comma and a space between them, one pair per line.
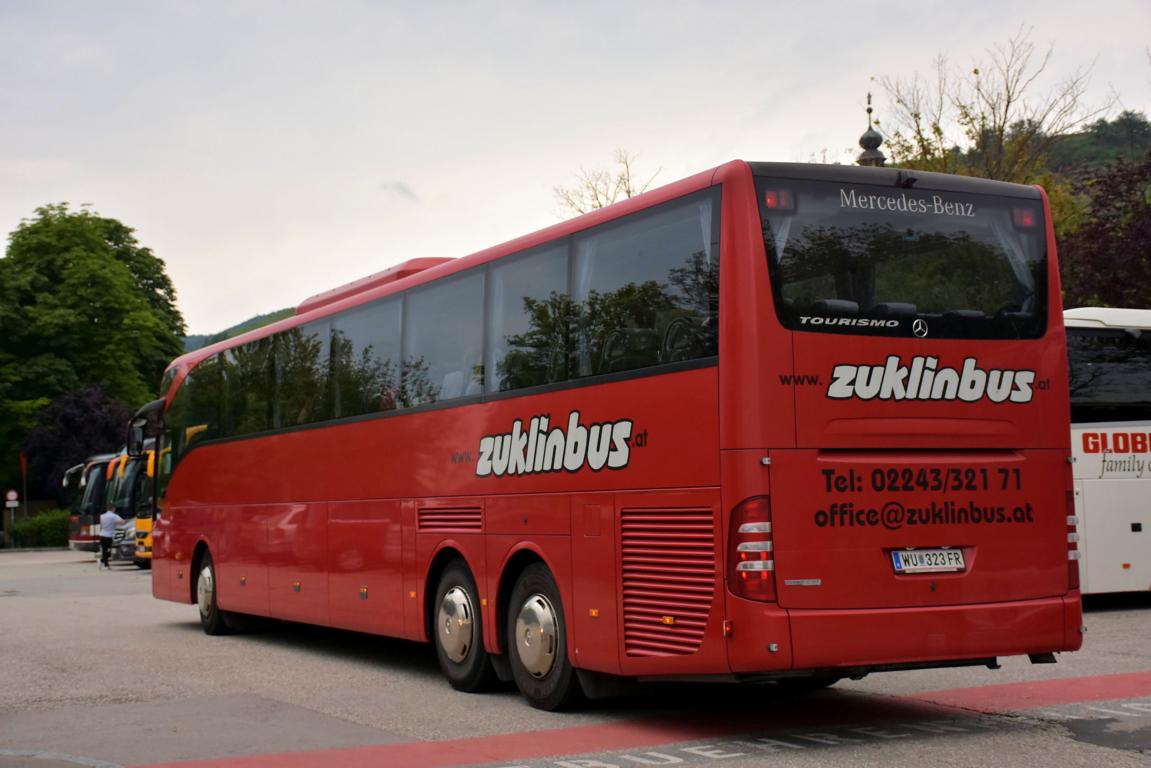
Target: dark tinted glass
142, 495
1110, 374
127, 486
93, 499
193, 416
529, 326
366, 359
204, 391
646, 288
250, 386
302, 374
443, 341
852, 258
166, 381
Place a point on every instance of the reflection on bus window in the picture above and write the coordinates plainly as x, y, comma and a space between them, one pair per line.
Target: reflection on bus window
1110, 374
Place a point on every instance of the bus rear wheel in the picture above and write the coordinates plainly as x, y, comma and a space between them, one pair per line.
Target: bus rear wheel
212, 619
537, 642
458, 631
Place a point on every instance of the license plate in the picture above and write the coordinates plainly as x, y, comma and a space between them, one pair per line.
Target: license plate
927, 560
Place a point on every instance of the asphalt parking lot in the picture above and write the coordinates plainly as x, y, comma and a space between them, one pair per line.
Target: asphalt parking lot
94, 671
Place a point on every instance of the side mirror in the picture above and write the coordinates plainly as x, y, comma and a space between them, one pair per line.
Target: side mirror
148, 422
135, 439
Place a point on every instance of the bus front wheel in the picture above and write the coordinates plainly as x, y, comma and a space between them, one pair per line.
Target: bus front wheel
537, 643
212, 619
458, 631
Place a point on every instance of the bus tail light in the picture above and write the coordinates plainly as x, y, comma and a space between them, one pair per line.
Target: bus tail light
751, 553
1073, 553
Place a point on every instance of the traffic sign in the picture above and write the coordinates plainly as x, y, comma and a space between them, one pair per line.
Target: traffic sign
11, 495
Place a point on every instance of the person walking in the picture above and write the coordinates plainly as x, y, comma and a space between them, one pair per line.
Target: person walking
109, 522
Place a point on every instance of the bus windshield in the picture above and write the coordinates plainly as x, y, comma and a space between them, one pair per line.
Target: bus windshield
94, 484
879, 260
126, 484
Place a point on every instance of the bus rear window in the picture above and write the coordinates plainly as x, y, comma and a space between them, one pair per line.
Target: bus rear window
1110, 374
860, 259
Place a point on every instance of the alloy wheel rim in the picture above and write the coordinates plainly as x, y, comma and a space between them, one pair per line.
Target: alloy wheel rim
537, 635
205, 588
455, 624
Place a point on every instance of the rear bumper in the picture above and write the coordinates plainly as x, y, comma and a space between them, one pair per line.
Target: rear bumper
143, 545
920, 636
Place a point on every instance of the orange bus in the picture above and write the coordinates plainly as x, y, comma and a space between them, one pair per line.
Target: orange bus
773, 422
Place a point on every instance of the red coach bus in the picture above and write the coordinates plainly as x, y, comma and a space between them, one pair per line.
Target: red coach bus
770, 422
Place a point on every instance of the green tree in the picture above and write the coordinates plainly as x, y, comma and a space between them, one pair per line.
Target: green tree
82, 303
71, 428
1126, 137
987, 121
1107, 260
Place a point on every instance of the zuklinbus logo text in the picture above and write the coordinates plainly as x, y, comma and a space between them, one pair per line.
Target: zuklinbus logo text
540, 448
923, 379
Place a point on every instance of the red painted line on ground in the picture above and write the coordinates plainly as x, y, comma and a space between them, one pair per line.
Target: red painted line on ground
1011, 697
531, 745
514, 747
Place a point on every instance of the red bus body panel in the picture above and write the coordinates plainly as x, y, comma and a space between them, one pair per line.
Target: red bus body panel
296, 543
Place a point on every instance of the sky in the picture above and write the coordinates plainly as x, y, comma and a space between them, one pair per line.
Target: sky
268, 151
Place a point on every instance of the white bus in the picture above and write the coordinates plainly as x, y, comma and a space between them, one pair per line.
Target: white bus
1110, 356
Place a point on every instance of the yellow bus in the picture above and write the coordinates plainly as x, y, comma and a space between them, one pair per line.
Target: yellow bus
143, 501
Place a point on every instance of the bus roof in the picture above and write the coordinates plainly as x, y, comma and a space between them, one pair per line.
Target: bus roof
894, 177
100, 458
1107, 317
390, 275
418, 271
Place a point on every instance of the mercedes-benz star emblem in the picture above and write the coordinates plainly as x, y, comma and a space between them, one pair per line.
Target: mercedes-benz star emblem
919, 327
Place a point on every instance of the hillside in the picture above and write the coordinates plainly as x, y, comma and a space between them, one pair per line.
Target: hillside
196, 341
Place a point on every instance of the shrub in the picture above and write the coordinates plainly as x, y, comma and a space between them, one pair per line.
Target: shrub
47, 529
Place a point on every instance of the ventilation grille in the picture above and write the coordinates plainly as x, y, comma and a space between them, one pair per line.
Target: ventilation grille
668, 558
459, 519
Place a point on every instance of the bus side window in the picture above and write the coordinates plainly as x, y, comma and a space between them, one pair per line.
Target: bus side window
302, 373
443, 336
250, 387
365, 358
647, 288
529, 332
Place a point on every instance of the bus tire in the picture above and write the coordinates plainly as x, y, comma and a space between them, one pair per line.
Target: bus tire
212, 619
457, 631
537, 642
